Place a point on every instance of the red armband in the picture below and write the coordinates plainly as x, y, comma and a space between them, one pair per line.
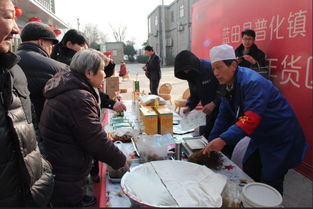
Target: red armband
249, 122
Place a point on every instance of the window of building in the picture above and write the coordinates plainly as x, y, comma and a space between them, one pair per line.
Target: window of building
181, 11
172, 16
48, 4
149, 25
156, 20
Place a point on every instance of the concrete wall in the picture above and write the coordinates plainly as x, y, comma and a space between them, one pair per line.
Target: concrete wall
117, 50
177, 27
155, 32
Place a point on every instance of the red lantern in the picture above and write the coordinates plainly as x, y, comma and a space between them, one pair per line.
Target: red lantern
34, 19
18, 11
57, 32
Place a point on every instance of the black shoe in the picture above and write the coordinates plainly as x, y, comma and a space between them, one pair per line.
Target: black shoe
89, 201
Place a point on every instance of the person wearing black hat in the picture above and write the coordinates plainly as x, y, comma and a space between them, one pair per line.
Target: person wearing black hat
35, 49
202, 84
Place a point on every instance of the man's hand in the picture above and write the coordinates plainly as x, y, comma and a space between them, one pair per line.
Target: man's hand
119, 107
186, 110
214, 145
249, 59
144, 68
209, 108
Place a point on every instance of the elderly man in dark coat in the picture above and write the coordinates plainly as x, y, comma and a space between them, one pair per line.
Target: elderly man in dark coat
26, 179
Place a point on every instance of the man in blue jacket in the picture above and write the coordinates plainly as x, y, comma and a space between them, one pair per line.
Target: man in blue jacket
202, 84
252, 106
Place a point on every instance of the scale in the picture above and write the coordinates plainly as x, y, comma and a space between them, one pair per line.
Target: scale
193, 144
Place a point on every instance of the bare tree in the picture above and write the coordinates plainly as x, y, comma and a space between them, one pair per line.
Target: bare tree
93, 34
119, 33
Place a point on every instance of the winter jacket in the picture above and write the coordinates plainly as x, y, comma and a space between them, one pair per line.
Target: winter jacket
62, 54
25, 177
255, 108
72, 134
153, 71
123, 70
38, 68
258, 55
202, 83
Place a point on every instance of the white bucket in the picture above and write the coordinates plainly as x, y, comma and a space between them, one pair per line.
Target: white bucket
256, 195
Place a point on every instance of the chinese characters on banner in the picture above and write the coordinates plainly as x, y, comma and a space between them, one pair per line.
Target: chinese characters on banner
271, 29
283, 31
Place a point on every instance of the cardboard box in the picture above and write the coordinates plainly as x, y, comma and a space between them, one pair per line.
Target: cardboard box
150, 120
112, 86
165, 120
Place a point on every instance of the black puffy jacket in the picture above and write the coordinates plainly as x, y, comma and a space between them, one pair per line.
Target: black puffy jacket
38, 68
62, 54
25, 177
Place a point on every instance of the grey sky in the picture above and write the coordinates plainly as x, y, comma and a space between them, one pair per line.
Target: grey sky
132, 13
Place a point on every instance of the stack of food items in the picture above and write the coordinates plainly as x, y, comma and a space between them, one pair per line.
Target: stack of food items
155, 116
122, 129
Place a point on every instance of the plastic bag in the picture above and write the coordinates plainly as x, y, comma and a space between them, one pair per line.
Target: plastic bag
153, 147
124, 134
123, 148
113, 173
126, 131
150, 99
231, 195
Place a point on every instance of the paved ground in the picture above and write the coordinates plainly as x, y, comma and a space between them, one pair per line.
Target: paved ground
298, 189
179, 86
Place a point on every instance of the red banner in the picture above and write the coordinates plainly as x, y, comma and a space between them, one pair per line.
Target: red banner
283, 31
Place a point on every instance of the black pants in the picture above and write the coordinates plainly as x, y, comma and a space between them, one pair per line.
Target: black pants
253, 167
154, 85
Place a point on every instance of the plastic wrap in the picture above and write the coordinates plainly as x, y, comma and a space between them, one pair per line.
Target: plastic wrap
150, 99
153, 147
